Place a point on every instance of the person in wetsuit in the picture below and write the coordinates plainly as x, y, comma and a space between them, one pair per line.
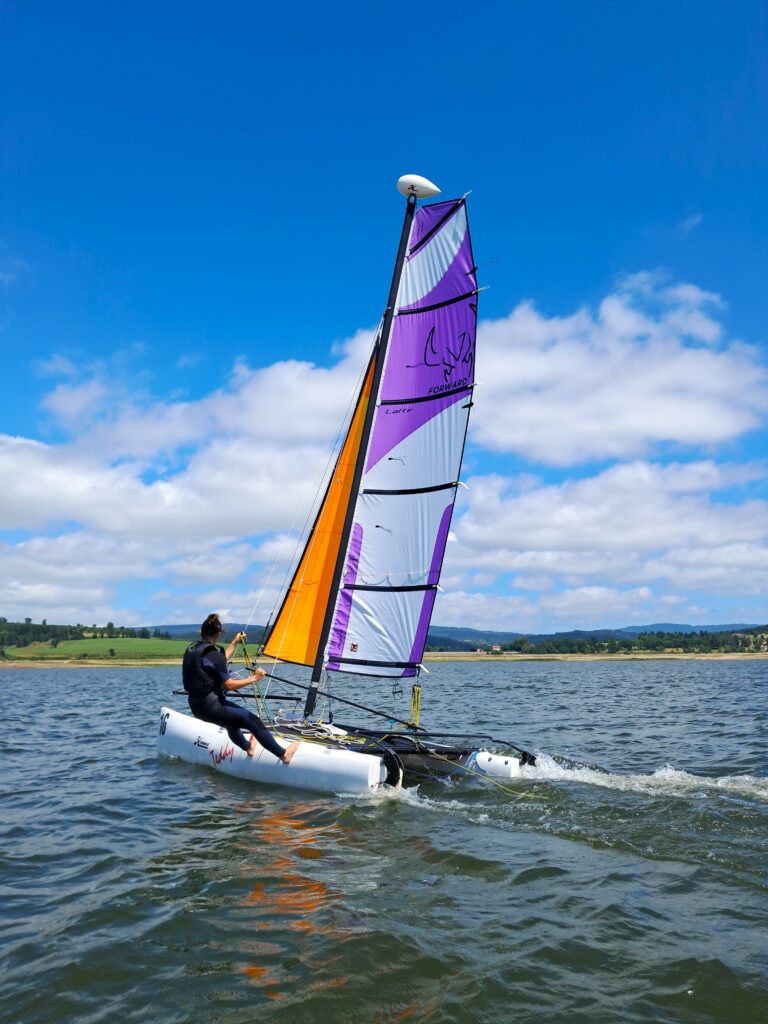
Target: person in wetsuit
205, 672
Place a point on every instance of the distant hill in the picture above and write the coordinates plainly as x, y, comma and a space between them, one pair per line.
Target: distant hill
192, 631
675, 627
462, 638
472, 637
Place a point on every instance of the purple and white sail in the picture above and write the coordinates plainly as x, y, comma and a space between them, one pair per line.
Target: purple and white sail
403, 507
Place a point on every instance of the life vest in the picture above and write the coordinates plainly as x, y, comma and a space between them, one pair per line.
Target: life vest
197, 681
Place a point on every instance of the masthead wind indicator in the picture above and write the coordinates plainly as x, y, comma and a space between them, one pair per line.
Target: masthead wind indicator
415, 185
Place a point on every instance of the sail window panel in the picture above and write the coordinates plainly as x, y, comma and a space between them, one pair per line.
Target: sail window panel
417, 444
425, 269
432, 353
385, 627
402, 538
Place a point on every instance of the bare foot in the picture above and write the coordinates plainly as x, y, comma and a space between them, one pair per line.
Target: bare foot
288, 754
252, 749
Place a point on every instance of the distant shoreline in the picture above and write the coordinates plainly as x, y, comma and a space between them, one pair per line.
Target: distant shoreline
449, 656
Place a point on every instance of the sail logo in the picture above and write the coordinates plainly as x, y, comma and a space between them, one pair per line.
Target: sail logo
453, 357
453, 386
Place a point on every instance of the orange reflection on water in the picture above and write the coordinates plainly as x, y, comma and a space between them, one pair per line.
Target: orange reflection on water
416, 1010
285, 898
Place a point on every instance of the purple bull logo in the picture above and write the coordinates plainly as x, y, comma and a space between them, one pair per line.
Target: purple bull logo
454, 358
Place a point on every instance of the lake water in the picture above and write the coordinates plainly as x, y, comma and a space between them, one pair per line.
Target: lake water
623, 880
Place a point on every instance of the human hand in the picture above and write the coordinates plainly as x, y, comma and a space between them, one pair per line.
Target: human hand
239, 638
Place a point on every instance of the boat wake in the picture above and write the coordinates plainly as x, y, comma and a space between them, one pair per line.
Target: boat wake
668, 781
665, 781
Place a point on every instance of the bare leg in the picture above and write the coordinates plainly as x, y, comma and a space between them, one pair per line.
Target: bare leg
289, 752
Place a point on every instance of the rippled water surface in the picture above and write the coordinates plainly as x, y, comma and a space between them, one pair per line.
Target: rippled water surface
623, 880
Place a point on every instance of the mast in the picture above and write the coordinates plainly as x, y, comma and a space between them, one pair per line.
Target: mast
380, 357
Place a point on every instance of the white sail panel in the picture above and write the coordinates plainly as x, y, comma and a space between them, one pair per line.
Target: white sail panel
397, 532
427, 267
383, 632
427, 455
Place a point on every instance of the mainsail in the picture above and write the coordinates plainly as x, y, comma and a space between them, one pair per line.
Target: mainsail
362, 595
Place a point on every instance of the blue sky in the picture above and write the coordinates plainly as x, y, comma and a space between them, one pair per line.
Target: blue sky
197, 225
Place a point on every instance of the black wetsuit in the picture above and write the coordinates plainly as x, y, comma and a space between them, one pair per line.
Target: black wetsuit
205, 670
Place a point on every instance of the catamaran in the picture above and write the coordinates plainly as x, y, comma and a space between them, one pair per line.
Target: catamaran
360, 599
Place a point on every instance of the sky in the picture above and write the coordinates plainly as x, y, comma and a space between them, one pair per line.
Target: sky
198, 222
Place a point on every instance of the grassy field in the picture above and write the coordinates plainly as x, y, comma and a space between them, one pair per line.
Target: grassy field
125, 648
137, 651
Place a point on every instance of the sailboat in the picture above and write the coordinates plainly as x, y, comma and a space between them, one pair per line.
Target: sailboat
360, 599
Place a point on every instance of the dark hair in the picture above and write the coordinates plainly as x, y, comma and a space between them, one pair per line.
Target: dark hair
212, 626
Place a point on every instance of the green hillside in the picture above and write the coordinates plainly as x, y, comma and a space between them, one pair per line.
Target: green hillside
98, 649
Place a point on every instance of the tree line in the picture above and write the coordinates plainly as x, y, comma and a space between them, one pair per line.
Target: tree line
22, 634
702, 642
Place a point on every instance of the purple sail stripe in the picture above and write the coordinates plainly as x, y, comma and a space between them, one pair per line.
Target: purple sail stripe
396, 422
353, 559
432, 352
420, 639
425, 219
344, 608
457, 280
440, 541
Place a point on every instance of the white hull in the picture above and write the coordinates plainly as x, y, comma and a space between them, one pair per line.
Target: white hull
313, 767
496, 766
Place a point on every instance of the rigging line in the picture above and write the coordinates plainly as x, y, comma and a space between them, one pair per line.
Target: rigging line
298, 512
351, 703
313, 511
248, 696
292, 562
260, 702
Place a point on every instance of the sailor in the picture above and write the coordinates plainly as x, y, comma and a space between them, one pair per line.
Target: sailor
205, 672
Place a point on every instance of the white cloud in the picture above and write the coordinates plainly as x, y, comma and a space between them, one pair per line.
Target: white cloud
12, 269
188, 498
637, 524
56, 366
76, 405
64, 604
690, 223
287, 403
645, 371
188, 360
577, 608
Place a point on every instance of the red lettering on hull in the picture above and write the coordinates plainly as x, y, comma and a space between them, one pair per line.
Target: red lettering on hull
224, 752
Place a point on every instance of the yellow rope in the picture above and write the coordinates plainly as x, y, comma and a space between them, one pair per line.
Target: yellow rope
260, 702
415, 705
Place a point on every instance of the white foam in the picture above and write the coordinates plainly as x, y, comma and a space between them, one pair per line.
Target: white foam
667, 780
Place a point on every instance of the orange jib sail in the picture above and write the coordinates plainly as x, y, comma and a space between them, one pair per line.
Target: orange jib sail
295, 636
